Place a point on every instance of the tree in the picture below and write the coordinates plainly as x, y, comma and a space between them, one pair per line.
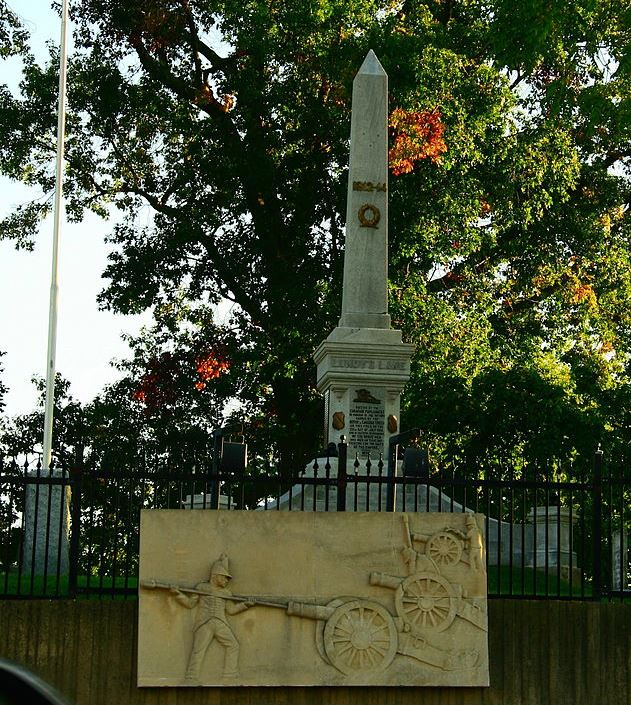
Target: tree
21, 436
220, 130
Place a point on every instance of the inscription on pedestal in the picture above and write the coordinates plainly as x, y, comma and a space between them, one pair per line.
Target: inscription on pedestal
366, 421
354, 363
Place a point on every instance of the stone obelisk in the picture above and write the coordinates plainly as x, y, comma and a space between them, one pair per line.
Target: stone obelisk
363, 364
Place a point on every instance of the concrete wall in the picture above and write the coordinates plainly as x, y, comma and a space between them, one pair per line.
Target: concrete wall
541, 653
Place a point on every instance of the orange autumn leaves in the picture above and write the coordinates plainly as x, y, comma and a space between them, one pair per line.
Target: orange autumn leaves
210, 367
168, 375
415, 136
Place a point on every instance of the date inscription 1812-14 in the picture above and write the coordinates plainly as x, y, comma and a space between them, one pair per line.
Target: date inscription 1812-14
368, 186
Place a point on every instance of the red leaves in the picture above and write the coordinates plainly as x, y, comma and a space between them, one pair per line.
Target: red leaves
454, 278
211, 366
583, 293
168, 376
156, 388
415, 136
163, 28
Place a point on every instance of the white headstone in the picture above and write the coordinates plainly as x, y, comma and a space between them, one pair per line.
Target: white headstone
46, 526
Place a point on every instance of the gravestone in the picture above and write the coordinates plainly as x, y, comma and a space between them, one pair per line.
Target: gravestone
46, 524
363, 364
550, 542
620, 565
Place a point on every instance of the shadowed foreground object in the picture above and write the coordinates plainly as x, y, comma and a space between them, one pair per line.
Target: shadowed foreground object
19, 686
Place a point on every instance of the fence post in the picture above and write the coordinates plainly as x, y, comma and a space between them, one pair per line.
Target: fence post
393, 453
342, 454
597, 498
75, 524
214, 469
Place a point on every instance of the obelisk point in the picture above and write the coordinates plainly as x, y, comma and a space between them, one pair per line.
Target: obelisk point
365, 286
372, 65
363, 364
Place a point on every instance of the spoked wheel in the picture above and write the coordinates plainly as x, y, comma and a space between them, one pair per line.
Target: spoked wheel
444, 549
425, 601
360, 636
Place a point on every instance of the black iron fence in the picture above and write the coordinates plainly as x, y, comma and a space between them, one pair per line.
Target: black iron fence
553, 530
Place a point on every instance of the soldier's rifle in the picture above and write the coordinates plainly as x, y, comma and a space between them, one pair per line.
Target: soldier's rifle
155, 585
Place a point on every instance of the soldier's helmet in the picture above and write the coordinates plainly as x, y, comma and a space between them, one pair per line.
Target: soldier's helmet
220, 566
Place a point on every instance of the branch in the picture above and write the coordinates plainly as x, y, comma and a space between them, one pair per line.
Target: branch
261, 209
519, 78
194, 41
241, 297
136, 188
218, 62
253, 168
160, 72
511, 308
153, 201
447, 12
453, 278
448, 281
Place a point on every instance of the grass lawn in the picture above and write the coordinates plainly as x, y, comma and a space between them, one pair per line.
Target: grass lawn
14, 584
526, 582
530, 582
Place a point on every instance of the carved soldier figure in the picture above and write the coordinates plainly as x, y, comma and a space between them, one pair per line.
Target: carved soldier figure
210, 619
474, 541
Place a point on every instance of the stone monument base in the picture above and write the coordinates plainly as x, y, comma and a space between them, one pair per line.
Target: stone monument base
361, 372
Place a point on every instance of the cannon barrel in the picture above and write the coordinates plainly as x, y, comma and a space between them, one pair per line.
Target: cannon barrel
304, 609
385, 580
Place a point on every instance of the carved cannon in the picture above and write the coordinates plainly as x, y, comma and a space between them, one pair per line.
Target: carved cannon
443, 547
428, 602
357, 635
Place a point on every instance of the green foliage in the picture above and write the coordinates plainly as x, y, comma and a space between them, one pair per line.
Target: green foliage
13, 37
220, 131
504, 580
14, 583
22, 435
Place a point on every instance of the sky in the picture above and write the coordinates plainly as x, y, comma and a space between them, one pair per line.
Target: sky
87, 339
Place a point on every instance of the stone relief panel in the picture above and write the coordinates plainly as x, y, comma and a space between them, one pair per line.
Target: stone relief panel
264, 598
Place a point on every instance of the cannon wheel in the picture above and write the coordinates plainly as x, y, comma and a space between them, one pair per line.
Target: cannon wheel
360, 636
444, 549
425, 601
320, 626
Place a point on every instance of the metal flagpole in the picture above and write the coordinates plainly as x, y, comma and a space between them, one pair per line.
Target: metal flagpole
57, 213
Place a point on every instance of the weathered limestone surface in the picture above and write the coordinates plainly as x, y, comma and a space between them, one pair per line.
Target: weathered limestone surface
306, 598
365, 294
363, 364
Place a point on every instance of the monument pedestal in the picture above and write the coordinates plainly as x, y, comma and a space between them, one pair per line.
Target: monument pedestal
361, 372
